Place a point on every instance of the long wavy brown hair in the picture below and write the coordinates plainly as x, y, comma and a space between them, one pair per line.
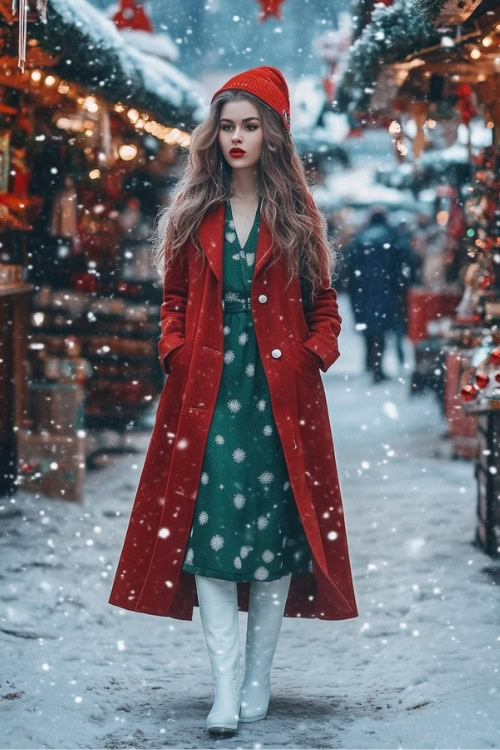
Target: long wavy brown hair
297, 227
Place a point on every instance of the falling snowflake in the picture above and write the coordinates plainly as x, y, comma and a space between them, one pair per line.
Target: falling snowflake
204, 478
245, 550
268, 556
237, 562
189, 556
250, 369
243, 338
216, 542
268, 430
261, 573
227, 330
239, 455
261, 404
250, 258
219, 439
239, 500
266, 477
234, 405
262, 522
203, 517
230, 237
229, 357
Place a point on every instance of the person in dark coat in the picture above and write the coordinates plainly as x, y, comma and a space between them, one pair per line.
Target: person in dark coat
372, 275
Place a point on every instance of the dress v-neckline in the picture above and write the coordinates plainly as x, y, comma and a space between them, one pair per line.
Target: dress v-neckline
251, 228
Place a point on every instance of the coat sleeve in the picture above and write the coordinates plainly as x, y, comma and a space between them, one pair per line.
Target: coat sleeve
324, 324
323, 320
173, 310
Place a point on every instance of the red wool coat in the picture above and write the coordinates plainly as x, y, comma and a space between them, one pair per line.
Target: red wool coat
293, 347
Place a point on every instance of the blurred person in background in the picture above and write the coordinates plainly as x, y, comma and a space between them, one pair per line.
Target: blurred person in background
372, 277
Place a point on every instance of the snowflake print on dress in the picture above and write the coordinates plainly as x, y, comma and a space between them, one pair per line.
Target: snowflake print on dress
203, 517
245, 550
261, 404
261, 573
239, 500
286, 485
232, 297
189, 556
204, 478
237, 562
268, 430
262, 522
230, 237
268, 556
266, 477
217, 542
243, 338
239, 455
234, 405
227, 330
249, 258
229, 357
250, 369
219, 439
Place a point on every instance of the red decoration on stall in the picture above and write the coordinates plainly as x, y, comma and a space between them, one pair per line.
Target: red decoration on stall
131, 15
482, 379
495, 357
469, 392
270, 8
465, 106
497, 377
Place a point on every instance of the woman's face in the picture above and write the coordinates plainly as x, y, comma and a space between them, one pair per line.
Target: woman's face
240, 130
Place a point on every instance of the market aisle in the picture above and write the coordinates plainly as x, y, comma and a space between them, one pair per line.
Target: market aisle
418, 668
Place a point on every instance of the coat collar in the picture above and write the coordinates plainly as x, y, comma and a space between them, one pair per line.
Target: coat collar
211, 235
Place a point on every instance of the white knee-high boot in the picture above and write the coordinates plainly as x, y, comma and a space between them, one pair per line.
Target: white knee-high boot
266, 606
219, 617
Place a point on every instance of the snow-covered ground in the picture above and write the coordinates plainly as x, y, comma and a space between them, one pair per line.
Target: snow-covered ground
417, 669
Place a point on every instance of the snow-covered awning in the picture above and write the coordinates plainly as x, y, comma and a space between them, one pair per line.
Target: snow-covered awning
394, 33
91, 51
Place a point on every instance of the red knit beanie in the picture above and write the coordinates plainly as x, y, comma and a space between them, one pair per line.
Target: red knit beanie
268, 84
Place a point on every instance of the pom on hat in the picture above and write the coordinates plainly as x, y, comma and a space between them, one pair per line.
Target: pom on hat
268, 84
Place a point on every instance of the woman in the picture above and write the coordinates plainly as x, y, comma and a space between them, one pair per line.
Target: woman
238, 506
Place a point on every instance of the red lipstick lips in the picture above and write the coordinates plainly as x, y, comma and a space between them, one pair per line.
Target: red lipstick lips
237, 152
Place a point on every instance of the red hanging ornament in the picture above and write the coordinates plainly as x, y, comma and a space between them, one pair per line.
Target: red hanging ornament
495, 357
497, 377
469, 392
270, 8
131, 15
482, 379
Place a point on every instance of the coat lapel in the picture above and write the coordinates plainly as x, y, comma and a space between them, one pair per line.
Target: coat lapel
211, 235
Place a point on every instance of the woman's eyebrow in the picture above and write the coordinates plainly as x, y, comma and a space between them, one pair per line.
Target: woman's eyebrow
246, 119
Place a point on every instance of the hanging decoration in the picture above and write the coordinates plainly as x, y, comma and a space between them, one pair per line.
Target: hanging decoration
22, 9
270, 8
131, 15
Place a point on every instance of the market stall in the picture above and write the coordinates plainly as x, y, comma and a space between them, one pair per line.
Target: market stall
435, 68
89, 145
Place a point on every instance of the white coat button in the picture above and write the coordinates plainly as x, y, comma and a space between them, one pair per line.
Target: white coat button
276, 353
262, 298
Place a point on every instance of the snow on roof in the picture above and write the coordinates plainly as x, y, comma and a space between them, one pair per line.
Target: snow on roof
96, 54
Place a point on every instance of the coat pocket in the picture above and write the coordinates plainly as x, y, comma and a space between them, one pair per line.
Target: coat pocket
172, 357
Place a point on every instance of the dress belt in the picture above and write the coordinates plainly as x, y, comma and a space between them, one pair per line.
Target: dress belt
233, 306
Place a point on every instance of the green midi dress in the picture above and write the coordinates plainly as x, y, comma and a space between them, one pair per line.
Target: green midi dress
246, 525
